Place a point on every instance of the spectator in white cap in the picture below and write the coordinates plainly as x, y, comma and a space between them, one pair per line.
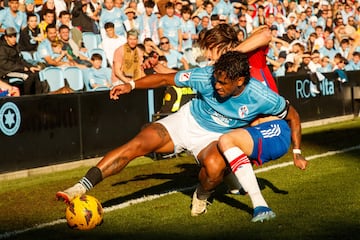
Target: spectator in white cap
311, 27
131, 22
280, 23
291, 19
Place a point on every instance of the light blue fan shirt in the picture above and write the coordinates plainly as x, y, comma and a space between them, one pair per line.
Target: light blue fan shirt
238, 111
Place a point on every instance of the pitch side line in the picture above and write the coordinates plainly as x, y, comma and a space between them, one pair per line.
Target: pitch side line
156, 196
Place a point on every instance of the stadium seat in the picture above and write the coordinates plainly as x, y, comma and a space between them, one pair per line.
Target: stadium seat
27, 56
74, 76
91, 40
102, 53
54, 76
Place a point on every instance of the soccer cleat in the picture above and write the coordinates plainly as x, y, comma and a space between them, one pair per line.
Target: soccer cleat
240, 191
263, 213
71, 193
198, 206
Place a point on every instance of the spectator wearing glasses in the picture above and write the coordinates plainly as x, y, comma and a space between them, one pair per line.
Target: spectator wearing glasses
175, 59
243, 26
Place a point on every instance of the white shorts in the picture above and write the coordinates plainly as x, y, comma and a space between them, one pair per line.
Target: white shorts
186, 133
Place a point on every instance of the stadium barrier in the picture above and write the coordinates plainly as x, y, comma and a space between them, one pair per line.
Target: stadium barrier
43, 130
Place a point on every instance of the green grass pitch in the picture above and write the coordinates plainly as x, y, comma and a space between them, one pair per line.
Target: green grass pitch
319, 203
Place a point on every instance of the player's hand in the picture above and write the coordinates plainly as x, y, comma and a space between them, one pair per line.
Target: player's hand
300, 162
116, 91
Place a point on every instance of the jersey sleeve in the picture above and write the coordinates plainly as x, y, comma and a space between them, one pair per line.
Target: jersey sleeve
198, 79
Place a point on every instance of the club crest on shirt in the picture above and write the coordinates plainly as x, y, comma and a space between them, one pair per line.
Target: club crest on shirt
243, 111
184, 76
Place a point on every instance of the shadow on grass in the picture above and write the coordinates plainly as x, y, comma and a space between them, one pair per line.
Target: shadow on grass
185, 179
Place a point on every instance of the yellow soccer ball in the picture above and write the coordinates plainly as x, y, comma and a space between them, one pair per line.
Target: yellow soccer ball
84, 213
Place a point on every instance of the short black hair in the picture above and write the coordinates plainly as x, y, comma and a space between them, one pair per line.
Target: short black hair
109, 25
234, 64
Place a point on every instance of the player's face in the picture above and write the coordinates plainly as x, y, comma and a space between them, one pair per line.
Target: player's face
225, 88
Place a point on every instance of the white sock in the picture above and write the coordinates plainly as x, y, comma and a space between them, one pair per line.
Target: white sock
241, 166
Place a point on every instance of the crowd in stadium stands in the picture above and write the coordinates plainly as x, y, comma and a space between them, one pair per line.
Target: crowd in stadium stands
309, 36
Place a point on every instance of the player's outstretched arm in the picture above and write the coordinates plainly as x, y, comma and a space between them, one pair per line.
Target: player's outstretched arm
259, 38
150, 81
294, 121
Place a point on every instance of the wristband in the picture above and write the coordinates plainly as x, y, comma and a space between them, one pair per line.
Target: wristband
296, 151
132, 84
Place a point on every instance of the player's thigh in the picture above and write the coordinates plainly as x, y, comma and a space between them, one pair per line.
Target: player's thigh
154, 137
237, 138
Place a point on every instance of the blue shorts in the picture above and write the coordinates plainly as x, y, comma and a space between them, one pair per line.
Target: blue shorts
271, 141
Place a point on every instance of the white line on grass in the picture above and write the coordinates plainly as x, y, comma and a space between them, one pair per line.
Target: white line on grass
152, 197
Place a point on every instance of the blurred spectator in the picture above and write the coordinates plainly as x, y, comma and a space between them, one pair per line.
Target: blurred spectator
93, 10
13, 65
111, 42
174, 58
280, 23
328, 49
149, 23
110, 13
278, 64
259, 19
204, 10
76, 54
48, 18
214, 20
47, 5
98, 76
151, 48
75, 33
242, 25
81, 20
204, 24
132, 22
354, 62
59, 56
45, 51
12, 17
30, 9
141, 6
170, 27
188, 35
127, 62
290, 34
325, 65
310, 28
60, 5
30, 36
